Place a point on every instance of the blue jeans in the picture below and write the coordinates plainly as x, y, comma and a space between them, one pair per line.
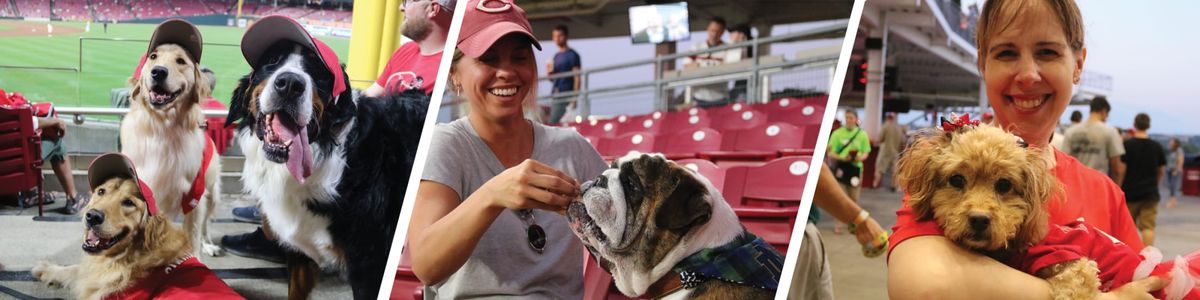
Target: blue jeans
1173, 182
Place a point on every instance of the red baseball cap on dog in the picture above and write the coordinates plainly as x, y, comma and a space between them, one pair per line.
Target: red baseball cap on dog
175, 31
274, 28
486, 21
114, 164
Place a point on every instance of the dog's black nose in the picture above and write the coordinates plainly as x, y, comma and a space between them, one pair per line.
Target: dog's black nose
94, 217
289, 85
979, 222
158, 73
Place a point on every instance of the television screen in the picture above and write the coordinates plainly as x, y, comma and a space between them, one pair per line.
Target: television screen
659, 23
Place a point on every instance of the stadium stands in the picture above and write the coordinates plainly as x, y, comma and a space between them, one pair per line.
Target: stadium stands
124, 10
33, 8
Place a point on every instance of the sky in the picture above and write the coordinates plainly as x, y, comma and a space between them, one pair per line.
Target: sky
1151, 53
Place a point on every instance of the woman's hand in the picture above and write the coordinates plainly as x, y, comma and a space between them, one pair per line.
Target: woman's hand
530, 184
1137, 289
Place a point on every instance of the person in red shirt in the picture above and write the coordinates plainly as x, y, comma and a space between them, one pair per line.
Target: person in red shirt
415, 65
1031, 53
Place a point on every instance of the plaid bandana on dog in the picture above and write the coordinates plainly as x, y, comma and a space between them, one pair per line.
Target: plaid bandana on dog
747, 260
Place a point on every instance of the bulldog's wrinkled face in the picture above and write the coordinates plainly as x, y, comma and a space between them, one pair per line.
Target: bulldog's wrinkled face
169, 74
115, 213
633, 215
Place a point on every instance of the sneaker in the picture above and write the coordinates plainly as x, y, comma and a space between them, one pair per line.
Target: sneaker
254, 245
248, 214
76, 203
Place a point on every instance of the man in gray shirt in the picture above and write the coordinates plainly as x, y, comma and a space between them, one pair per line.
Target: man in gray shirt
1097, 144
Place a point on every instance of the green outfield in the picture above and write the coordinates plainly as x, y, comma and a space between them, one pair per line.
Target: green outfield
107, 60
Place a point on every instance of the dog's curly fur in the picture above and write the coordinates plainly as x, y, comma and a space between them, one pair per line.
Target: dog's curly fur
986, 191
150, 242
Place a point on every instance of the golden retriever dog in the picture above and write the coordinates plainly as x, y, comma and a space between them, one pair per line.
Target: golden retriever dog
986, 188
162, 133
123, 241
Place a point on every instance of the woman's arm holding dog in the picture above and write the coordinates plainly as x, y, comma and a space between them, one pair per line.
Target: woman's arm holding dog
933, 267
444, 231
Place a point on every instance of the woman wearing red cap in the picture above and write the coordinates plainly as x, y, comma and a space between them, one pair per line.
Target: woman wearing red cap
485, 221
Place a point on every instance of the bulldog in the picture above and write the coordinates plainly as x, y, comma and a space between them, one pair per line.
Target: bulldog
664, 231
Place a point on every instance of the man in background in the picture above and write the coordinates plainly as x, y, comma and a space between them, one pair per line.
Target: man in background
1096, 144
714, 94
1145, 159
566, 60
415, 65
891, 140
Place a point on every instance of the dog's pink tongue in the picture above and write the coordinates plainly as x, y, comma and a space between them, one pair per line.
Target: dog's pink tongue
92, 237
300, 160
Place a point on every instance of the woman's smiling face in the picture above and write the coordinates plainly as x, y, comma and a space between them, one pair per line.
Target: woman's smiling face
1030, 71
497, 82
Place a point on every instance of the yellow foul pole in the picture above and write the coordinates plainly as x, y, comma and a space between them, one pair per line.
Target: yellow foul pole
365, 40
390, 39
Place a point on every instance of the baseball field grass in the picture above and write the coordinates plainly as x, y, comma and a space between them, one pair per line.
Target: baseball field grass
43, 66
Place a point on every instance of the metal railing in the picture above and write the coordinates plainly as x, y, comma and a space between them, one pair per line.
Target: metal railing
754, 74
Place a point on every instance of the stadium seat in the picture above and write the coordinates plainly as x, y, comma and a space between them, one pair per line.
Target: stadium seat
611, 148
794, 111
778, 183
407, 286
745, 118
762, 143
774, 225
20, 154
639, 124
682, 121
596, 281
689, 144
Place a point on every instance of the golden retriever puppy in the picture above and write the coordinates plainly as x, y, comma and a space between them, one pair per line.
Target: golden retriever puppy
132, 252
162, 133
986, 188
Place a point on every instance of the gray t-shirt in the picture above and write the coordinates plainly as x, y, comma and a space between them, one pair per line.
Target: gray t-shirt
1093, 144
503, 264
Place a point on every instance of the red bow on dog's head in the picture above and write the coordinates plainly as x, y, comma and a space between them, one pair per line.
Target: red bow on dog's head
961, 122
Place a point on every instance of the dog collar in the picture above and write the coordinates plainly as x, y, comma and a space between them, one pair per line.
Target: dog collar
747, 260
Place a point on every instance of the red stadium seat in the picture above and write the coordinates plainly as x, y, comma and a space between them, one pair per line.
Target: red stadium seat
774, 225
682, 121
796, 112
705, 168
596, 281
762, 143
689, 144
642, 142
778, 183
20, 153
744, 119
640, 124
407, 286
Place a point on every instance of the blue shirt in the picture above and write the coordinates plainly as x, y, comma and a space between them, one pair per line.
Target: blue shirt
565, 61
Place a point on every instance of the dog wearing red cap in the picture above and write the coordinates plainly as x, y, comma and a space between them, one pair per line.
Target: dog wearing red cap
132, 251
329, 170
162, 133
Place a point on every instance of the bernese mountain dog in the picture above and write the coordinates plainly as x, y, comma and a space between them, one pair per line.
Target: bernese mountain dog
329, 170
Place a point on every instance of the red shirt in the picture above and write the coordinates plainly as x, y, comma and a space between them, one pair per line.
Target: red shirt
408, 69
1090, 195
188, 279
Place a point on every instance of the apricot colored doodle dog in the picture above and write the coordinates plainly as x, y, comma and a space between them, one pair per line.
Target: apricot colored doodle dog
131, 251
986, 189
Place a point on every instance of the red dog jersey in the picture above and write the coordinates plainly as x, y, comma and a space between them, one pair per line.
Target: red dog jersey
188, 279
1116, 260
